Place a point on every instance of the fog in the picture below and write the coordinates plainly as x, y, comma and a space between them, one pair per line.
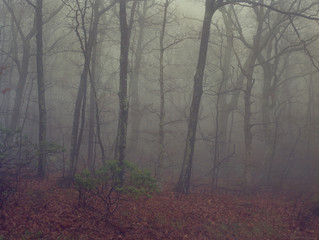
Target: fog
258, 115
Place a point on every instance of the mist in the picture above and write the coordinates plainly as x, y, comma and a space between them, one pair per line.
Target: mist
84, 83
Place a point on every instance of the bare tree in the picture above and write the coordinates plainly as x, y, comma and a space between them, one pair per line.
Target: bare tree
41, 90
87, 38
23, 63
125, 28
211, 7
136, 111
159, 163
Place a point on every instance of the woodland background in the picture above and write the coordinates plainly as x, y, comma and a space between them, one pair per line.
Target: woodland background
92, 81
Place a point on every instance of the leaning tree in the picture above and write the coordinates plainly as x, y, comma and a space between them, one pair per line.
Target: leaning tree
211, 6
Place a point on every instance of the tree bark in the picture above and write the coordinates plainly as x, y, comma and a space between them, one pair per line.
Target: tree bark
92, 100
183, 184
159, 163
223, 109
136, 113
23, 75
248, 136
120, 151
41, 91
22, 66
87, 47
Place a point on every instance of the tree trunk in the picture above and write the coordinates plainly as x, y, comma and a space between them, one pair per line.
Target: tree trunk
91, 123
183, 184
255, 51
41, 92
22, 67
135, 109
120, 151
92, 110
77, 130
248, 134
76, 120
268, 104
159, 163
23, 75
223, 109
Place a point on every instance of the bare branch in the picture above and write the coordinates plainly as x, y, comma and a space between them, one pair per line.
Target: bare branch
304, 45
29, 2
222, 3
108, 7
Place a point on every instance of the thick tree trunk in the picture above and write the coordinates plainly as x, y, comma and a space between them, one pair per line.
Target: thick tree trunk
183, 184
120, 151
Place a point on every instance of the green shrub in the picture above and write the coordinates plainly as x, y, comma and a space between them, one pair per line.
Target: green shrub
113, 181
140, 183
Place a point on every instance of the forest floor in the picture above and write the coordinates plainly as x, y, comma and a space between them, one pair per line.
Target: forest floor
41, 210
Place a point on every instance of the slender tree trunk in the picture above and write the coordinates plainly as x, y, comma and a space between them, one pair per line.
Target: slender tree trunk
183, 184
223, 109
22, 66
96, 114
76, 120
217, 143
159, 163
41, 92
268, 105
247, 113
92, 110
23, 75
95, 62
87, 47
248, 134
91, 128
136, 113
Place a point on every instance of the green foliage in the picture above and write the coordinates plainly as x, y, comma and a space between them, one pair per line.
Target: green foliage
113, 181
137, 182
85, 181
141, 183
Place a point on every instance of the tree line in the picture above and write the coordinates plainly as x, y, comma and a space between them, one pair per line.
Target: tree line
148, 80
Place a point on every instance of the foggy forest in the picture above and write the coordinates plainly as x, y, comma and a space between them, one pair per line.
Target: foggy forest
159, 119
